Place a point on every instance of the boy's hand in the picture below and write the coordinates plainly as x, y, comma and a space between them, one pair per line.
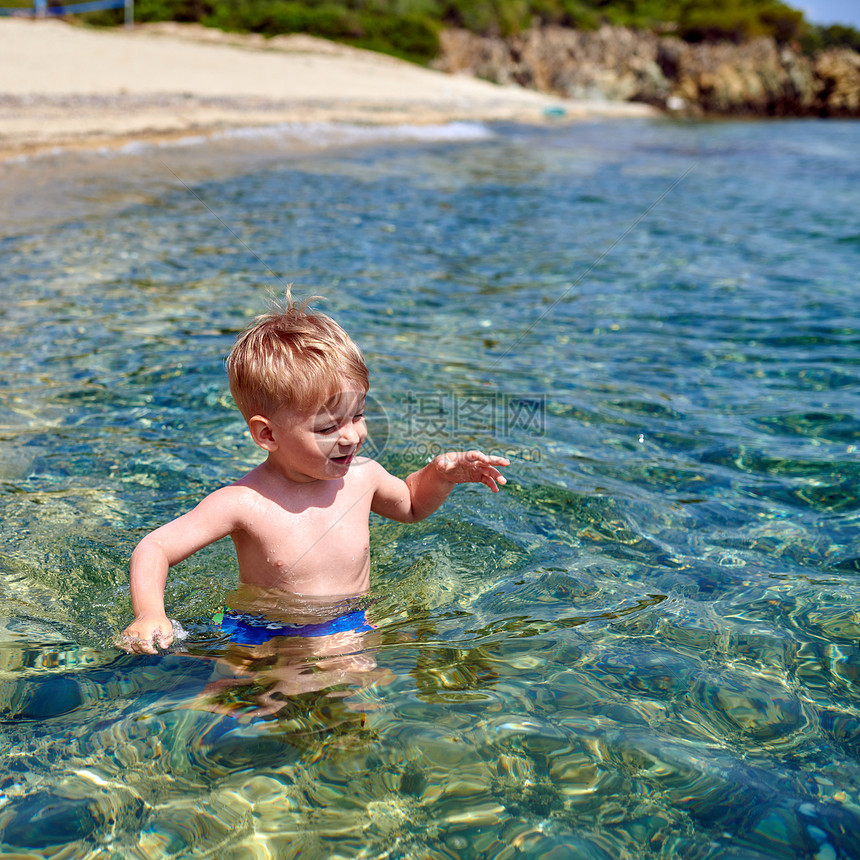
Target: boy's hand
146, 634
425, 490
464, 467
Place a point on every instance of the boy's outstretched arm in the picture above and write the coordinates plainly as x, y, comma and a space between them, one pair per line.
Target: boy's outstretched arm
425, 490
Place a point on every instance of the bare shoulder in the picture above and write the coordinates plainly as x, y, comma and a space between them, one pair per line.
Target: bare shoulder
217, 515
238, 494
230, 502
389, 494
369, 473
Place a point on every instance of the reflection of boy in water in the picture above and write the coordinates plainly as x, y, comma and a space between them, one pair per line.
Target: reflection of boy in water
280, 648
299, 520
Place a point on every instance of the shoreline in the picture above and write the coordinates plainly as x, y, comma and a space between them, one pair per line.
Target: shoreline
162, 83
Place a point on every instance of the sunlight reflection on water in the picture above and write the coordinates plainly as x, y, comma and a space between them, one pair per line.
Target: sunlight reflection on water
645, 646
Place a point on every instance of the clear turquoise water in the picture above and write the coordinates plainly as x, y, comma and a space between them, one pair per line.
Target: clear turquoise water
645, 646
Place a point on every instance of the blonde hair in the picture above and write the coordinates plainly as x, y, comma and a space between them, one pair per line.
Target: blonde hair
292, 358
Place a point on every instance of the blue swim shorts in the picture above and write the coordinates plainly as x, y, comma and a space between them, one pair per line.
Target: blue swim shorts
245, 629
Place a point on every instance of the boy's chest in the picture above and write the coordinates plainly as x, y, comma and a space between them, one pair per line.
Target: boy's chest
327, 530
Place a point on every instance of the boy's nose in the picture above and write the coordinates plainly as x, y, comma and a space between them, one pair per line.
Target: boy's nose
349, 435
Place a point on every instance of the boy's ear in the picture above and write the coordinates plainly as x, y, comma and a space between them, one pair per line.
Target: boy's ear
261, 433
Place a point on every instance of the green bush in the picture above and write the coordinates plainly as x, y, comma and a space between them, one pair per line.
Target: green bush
638, 14
412, 37
738, 20
834, 36
782, 22
147, 11
273, 17
171, 10
580, 15
410, 28
490, 17
409, 36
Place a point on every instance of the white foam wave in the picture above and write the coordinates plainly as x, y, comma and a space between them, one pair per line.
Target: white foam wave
298, 136
326, 135
335, 134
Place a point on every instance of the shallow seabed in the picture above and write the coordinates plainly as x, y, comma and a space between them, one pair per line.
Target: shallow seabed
645, 646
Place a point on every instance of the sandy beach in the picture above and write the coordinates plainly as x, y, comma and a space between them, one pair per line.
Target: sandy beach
63, 85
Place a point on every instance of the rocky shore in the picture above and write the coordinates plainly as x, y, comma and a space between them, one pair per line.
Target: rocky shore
73, 87
756, 79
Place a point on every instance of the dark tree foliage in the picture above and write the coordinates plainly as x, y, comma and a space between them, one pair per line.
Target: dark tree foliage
834, 36
738, 20
410, 28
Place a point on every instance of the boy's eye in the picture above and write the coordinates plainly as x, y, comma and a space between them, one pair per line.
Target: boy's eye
358, 417
327, 430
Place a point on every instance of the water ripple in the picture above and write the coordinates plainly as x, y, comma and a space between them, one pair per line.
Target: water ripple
645, 646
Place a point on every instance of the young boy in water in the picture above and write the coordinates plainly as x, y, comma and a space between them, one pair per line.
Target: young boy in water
299, 520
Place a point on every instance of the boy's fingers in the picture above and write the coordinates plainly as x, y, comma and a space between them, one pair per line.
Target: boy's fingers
480, 458
467, 457
495, 473
137, 646
493, 479
475, 466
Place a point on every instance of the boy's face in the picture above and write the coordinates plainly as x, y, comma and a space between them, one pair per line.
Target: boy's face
320, 445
